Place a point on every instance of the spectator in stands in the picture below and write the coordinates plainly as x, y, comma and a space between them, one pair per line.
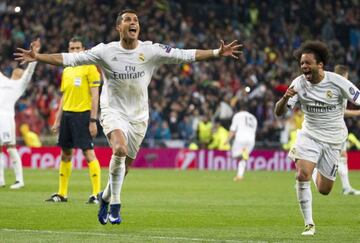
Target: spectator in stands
31, 139
204, 131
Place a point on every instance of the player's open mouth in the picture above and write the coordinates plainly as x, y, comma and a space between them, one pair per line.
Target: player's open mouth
132, 30
307, 75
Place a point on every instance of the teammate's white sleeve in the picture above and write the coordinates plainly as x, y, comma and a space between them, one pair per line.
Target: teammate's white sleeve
92, 56
168, 55
2, 76
233, 126
349, 91
29, 71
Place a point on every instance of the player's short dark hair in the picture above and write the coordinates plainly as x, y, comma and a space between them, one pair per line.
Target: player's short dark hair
78, 38
119, 17
341, 69
241, 105
317, 48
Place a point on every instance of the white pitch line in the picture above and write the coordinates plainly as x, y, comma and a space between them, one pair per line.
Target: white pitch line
120, 235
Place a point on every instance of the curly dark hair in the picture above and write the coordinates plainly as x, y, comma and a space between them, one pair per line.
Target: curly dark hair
318, 48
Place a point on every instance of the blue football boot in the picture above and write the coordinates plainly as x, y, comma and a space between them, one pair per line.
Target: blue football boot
103, 209
114, 214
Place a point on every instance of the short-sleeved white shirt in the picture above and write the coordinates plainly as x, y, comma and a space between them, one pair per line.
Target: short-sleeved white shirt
244, 124
323, 106
127, 73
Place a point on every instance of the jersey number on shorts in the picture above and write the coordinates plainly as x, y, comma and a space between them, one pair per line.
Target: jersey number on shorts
334, 170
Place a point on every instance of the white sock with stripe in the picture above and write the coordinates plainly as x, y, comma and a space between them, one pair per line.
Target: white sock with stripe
241, 168
116, 178
2, 169
305, 200
17, 164
344, 173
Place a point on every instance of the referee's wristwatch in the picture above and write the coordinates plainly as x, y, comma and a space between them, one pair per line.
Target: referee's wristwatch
93, 119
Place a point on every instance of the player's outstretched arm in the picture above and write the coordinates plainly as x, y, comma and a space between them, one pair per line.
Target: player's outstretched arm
31, 55
351, 113
225, 50
29, 71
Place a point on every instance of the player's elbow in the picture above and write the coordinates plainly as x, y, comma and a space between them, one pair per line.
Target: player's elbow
278, 112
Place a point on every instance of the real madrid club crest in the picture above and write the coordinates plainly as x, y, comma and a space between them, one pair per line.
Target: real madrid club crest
329, 94
141, 57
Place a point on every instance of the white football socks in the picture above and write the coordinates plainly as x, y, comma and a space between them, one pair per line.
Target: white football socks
116, 178
17, 164
305, 200
107, 192
344, 173
241, 168
2, 168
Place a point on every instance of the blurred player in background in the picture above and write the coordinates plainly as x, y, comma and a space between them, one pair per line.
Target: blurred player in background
343, 166
76, 122
10, 91
319, 143
243, 133
127, 66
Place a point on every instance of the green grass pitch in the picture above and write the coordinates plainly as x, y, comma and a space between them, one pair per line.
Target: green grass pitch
177, 206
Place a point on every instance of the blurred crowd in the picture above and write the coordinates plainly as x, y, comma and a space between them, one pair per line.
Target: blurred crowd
184, 97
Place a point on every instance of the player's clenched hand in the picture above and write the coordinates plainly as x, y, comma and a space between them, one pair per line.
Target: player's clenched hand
231, 49
290, 92
93, 129
25, 56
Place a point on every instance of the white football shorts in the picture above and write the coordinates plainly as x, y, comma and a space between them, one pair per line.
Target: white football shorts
134, 132
238, 147
326, 156
7, 130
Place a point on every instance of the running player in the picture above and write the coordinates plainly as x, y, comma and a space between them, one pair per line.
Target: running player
321, 96
243, 128
127, 66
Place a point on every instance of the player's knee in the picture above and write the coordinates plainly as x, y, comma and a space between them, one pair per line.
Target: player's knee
302, 175
65, 157
324, 191
89, 155
66, 154
120, 150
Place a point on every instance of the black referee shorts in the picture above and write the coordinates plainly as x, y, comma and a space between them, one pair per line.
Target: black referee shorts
74, 130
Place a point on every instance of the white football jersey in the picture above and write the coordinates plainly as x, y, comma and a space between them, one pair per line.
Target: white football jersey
323, 105
11, 90
244, 124
127, 73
